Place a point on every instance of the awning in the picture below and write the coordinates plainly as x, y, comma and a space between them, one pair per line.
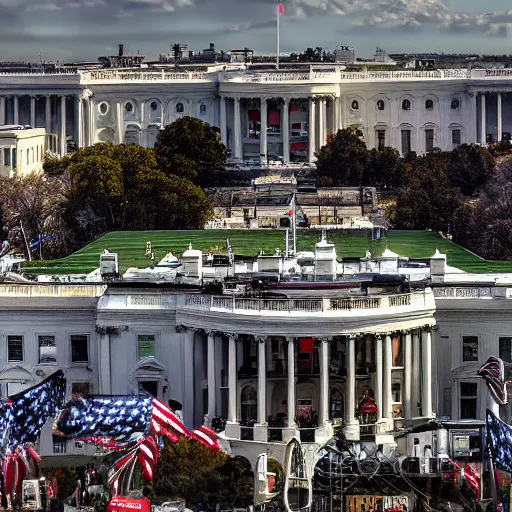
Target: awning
254, 115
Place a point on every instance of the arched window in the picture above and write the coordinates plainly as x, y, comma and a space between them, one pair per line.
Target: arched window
455, 104
354, 105
103, 108
179, 108
154, 106
202, 108
380, 105
129, 107
248, 402
406, 105
429, 105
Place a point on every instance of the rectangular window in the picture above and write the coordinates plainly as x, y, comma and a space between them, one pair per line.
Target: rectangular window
14, 349
506, 349
146, 345
79, 348
79, 389
381, 139
468, 400
47, 350
7, 157
406, 142
59, 444
469, 348
429, 140
456, 137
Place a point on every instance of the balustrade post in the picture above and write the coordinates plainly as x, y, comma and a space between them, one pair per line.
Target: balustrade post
351, 423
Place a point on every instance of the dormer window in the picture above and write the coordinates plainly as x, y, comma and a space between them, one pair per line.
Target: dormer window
129, 107
380, 105
429, 105
406, 105
354, 105
179, 108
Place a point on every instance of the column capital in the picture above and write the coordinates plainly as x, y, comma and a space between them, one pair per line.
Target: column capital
211, 333
290, 339
181, 328
260, 339
232, 336
325, 339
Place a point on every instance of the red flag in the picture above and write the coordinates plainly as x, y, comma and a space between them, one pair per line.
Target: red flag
280, 7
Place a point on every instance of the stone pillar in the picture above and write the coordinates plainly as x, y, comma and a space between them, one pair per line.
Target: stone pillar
48, 115
104, 364
33, 111
120, 123
321, 124
290, 423
260, 429
415, 387
223, 121
324, 381
92, 122
426, 358
238, 130
500, 119
211, 375
351, 423
483, 120
63, 136
378, 378
80, 124
339, 103
263, 130
408, 362
388, 364
2, 110
16, 109
188, 376
311, 131
286, 130
232, 378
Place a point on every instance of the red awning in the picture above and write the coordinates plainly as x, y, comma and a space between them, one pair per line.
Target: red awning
254, 115
274, 119
306, 345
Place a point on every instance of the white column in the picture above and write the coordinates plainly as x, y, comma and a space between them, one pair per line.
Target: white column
351, 423
232, 378
211, 375
291, 383
262, 380
378, 378
92, 122
321, 124
120, 123
2, 110
311, 131
388, 364
223, 121
286, 130
483, 120
63, 138
324, 381
263, 130
104, 366
500, 119
80, 124
238, 130
408, 362
426, 357
48, 115
415, 388
33, 111
339, 103
188, 378
16, 109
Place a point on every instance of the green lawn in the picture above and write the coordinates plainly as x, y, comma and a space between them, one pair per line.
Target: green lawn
131, 247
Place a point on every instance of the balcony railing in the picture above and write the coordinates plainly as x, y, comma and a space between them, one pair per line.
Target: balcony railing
52, 290
128, 75
302, 306
469, 293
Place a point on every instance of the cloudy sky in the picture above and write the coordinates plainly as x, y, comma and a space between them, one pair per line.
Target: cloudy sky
84, 29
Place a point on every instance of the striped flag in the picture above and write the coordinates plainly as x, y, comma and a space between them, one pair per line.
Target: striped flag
280, 8
207, 436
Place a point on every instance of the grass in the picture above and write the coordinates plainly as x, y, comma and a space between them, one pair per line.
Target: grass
131, 247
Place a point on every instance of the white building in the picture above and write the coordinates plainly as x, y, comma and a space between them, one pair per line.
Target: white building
408, 110
21, 150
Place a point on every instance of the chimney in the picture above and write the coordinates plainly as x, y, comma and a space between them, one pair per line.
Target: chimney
121, 50
212, 46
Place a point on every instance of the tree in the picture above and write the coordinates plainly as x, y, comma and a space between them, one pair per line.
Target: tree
342, 162
471, 166
384, 169
190, 148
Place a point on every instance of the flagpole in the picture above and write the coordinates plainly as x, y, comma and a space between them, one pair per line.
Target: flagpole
277, 48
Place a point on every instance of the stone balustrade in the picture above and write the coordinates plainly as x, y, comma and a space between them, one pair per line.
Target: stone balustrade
52, 290
453, 292
147, 75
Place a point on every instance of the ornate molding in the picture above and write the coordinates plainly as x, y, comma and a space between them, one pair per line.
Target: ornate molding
107, 329
85, 95
181, 328
260, 339
232, 336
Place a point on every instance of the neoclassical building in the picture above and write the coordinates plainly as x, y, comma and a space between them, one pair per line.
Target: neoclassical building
263, 115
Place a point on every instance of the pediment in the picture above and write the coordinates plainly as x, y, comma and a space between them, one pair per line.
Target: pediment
15, 373
149, 365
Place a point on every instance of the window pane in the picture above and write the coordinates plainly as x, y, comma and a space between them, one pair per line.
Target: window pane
79, 349
455, 136
7, 157
429, 140
506, 349
79, 389
406, 141
47, 349
468, 389
470, 348
14, 349
381, 139
146, 346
